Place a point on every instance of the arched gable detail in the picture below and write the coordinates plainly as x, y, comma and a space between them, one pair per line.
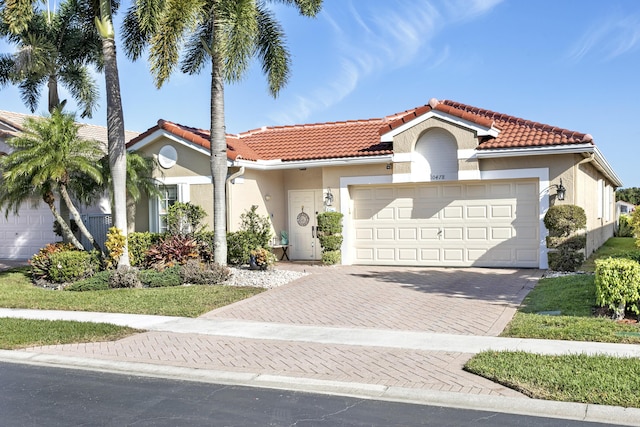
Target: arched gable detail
436, 156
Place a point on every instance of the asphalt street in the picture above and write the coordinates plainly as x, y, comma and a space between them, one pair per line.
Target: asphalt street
45, 396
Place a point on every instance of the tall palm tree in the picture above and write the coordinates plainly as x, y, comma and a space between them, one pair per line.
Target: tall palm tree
227, 33
52, 49
45, 157
17, 14
103, 11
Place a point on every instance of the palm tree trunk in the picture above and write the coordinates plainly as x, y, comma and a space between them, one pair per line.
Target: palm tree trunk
54, 99
218, 156
76, 215
115, 135
64, 226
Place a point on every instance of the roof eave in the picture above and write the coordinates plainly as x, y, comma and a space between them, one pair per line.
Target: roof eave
480, 130
601, 162
299, 164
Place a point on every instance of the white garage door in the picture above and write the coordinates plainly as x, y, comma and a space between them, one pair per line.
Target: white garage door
488, 224
22, 235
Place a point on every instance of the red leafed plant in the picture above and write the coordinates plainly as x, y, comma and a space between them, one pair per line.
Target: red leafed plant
170, 251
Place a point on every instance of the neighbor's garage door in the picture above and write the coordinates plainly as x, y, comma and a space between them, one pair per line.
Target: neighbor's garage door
22, 235
489, 224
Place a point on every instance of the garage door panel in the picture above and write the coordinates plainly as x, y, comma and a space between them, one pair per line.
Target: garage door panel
23, 234
492, 223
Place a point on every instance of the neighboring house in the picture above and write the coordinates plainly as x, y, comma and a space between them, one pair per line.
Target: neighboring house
445, 184
23, 234
624, 208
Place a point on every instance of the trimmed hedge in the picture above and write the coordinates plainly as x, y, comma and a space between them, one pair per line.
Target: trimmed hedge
70, 266
618, 285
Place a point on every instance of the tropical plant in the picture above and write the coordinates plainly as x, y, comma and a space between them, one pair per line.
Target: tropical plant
45, 156
227, 33
52, 49
185, 219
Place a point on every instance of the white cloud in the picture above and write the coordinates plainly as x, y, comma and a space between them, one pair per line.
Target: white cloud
378, 37
614, 37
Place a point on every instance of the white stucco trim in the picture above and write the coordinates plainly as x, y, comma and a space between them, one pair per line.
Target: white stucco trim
159, 133
192, 180
469, 175
541, 174
264, 165
479, 130
465, 154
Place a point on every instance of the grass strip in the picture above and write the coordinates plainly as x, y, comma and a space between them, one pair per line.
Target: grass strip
16, 291
612, 247
602, 380
22, 333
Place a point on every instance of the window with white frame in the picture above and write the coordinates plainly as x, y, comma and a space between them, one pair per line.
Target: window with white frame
169, 194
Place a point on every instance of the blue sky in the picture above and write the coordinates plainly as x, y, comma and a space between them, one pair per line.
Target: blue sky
572, 63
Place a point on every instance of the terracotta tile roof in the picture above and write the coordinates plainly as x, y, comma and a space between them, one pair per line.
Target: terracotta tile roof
360, 138
516, 132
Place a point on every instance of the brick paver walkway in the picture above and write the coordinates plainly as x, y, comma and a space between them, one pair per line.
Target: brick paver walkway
459, 301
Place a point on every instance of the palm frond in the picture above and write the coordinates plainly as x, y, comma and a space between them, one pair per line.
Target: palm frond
82, 87
273, 54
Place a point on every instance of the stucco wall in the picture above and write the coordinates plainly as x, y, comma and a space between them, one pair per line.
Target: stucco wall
190, 162
252, 189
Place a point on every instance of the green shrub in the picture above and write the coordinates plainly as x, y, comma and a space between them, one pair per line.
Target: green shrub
139, 244
160, 279
573, 243
200, 273
562, 220
329, 234
41, 261
632, 255
239, 247
618, 285
258, 226
331, 243
69, 266
624, 227
331, 257
330, 223
115, 246
97, 282
565, 260
185, 219
124, 278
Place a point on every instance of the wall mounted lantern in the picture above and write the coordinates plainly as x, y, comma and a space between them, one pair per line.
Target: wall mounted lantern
328, 198
560, 190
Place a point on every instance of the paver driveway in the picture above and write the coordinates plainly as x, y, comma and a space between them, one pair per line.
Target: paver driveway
468, 301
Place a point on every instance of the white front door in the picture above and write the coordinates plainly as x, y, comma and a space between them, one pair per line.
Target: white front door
303, 208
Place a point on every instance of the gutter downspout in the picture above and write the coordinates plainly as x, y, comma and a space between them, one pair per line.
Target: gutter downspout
227, 193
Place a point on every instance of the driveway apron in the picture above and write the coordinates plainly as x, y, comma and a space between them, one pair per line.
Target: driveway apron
456, 301
466, 301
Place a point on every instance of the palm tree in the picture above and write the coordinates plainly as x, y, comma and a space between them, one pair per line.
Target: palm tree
18, 14
103, 12
45, 157
52, 49
229, 33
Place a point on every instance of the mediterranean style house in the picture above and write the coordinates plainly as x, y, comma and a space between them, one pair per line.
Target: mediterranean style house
444, 184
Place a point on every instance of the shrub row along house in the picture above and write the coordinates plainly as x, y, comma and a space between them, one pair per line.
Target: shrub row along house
444, 184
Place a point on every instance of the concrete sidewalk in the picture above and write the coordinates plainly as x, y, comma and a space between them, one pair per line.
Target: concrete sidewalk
182, 348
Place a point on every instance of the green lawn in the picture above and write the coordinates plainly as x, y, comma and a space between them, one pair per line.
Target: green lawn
16, 291
21, 333
576, 378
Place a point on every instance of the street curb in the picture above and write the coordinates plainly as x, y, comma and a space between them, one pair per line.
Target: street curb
511, 405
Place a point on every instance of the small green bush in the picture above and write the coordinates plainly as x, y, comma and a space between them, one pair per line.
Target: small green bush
185, 219
70, 266
258, 227
562, 220
330, 223
565, 260
160, 279
331, 257
331, 243
139, 244
573, 243
41, 261
97, 282
618, 285
200, 273
239, 247
624, 227
124, 278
